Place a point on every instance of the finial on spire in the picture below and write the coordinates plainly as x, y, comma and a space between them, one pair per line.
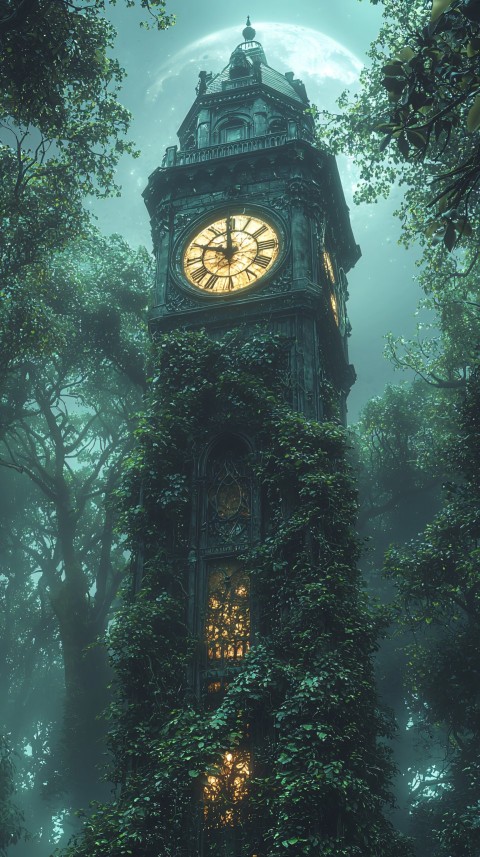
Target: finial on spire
249, 33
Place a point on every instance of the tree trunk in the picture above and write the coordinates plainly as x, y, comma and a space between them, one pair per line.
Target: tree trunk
86, 696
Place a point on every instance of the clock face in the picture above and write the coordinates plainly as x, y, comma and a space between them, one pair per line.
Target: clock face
230, 254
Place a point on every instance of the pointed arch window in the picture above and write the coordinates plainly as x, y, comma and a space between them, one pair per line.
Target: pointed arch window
233, 131
227, 531
228, 505
229, 496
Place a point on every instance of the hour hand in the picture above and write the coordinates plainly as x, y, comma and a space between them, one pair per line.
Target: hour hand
218, 249
227, 251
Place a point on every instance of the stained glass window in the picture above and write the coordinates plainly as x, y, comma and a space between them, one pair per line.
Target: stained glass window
328, 265
229, 497
226, 789
227, 630
334, 305
227, 627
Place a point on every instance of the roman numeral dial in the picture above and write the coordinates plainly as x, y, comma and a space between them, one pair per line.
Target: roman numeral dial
230, 253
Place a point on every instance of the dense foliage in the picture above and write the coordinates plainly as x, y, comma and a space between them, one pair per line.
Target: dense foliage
420, 93
320, 778
433, 84
63, 132
11, 821
71, 372
62, 558
416, 121
439, 588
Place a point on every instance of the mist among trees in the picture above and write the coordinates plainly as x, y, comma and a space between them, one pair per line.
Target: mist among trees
76, 431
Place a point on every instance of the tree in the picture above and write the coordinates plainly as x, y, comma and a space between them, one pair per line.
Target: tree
63, 132
31, 667
422, 94
403, 446
446, 344
439, 590
68, 440
416, 94
11, 821
403, 442
415, 121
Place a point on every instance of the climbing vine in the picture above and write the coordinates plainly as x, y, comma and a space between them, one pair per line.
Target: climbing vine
320, 779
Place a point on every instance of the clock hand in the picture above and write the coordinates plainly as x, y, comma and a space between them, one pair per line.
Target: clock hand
224, 250
229, 239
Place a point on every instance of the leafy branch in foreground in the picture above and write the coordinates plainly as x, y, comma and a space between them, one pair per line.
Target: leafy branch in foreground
422, 93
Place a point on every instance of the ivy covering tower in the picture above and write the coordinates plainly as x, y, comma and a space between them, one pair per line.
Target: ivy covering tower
246, 721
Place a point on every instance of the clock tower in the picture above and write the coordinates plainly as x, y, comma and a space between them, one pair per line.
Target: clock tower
261, 720
246, 722
250, 225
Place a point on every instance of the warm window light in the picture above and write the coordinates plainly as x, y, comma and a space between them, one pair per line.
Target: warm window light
225, 790
328, 265
227, 627
334, 305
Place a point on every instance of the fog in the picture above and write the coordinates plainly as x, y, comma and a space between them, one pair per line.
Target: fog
325, 45
383, 292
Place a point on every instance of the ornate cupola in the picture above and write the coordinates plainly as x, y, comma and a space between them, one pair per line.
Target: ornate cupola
250, 225
245, 101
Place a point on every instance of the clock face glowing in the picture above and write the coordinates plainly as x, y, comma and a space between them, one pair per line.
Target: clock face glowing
230, 254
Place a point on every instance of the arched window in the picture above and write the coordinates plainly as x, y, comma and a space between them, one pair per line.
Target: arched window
234, 130
227, 530
227, 625
278, 126
229, 495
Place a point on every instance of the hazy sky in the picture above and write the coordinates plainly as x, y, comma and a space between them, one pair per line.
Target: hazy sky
162, 74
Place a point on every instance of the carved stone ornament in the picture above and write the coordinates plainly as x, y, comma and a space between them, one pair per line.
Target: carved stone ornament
160, 224
307, 195
182, 219
177, 301
233, 192
280, 204
321, 229
283, 283
162, 215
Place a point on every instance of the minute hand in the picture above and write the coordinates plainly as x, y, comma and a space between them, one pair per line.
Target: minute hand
230, 249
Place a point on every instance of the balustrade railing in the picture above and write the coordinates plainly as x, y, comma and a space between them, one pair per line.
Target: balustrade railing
175, 158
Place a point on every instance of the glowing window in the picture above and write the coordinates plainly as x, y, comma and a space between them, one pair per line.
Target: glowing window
328, 265
225, 791
334, 305
227, 627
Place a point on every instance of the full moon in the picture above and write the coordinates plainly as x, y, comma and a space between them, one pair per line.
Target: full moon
325, 66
